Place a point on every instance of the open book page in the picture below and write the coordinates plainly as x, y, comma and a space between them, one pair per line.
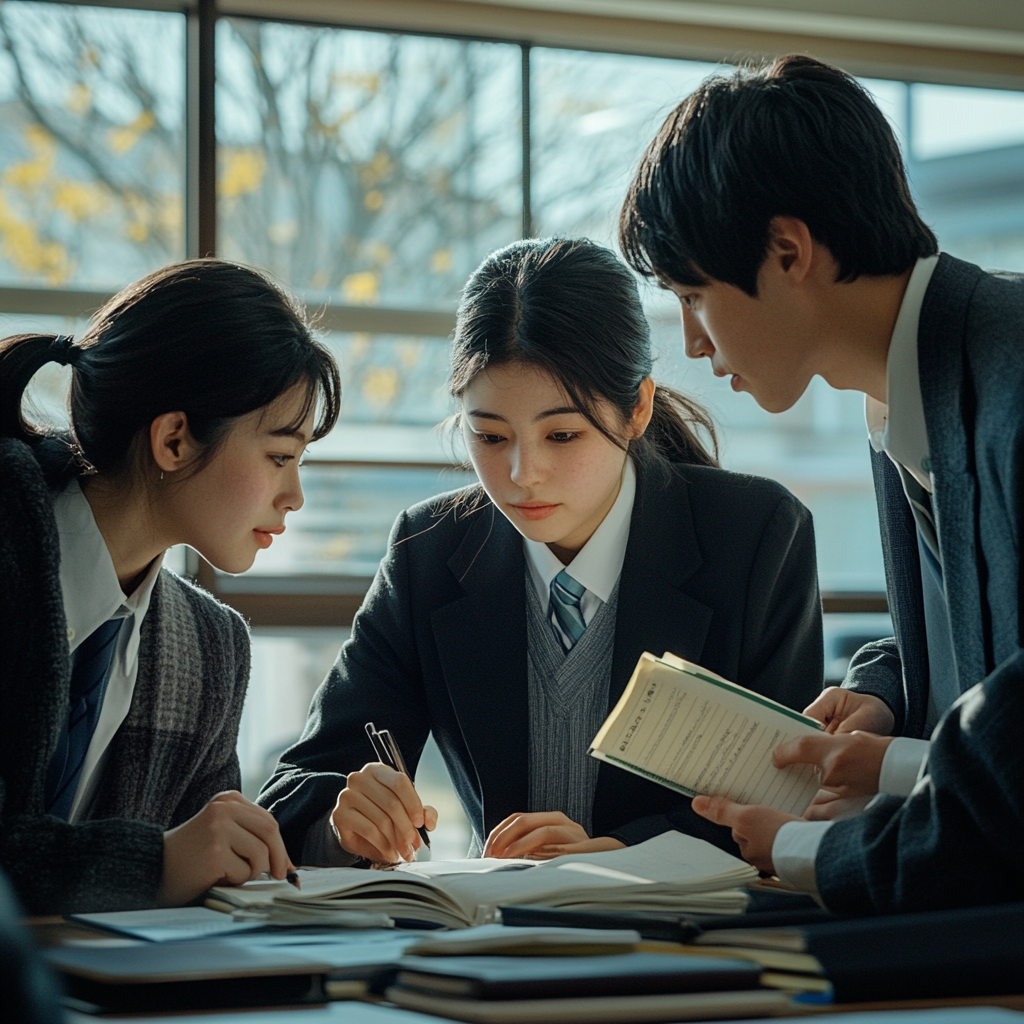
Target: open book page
655, 874
691, 730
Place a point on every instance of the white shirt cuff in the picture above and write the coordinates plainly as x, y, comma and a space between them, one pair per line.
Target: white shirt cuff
794, 850
902, 765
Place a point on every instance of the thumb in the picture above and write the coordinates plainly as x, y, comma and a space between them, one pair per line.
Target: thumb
801, 750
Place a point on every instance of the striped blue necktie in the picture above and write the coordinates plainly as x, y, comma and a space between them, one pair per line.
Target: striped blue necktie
88, 685
566, 616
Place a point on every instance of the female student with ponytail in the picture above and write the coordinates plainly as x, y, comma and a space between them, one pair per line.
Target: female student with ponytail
193, 394
507, 618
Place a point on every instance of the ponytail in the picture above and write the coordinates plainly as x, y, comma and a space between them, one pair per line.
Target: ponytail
674, 433
204, 337
20, 357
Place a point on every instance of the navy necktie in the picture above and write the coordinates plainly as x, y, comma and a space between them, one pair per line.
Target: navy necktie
88, 684
566, 614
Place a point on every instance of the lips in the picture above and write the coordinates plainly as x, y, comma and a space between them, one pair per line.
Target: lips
265, 537
535, 510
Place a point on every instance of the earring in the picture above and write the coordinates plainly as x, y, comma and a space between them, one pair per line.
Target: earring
161, 474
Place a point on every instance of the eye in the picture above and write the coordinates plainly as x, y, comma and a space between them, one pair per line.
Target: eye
281, 460
563, 436
488, 438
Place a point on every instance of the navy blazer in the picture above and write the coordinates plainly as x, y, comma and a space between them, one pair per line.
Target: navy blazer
719, 569
958, 839
971, 359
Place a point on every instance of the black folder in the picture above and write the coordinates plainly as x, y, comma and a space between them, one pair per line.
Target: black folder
186, 976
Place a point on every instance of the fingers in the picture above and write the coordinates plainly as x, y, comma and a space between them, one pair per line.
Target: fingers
823, 707
430, 817
544, 836
262, 825
380, 806
517, 826
802, 750
718, 809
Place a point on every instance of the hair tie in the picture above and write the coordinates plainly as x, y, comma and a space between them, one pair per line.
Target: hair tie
64, 350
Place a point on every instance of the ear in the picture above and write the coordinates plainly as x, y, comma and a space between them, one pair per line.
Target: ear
644, 408
171, 442
790, 248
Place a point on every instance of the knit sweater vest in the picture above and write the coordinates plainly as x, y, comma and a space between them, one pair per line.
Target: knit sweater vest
568, 699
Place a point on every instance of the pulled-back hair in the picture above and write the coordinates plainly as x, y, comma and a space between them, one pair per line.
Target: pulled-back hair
570, 307
205, 337
791, 137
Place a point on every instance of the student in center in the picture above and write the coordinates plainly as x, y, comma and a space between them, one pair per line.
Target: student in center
193, 394
507, 618
774, 204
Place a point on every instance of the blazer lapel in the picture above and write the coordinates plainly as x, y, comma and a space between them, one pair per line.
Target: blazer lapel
481, 642
949, 421
655, 613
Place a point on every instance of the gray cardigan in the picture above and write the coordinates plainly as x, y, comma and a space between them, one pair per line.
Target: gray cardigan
174, 751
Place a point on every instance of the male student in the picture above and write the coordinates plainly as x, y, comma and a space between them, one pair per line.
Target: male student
773, 202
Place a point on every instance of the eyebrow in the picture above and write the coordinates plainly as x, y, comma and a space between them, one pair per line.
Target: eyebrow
295, 432
562, 410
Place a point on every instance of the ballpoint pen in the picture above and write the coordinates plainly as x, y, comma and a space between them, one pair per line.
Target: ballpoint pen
386, 748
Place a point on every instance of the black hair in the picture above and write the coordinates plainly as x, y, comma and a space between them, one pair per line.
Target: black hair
572, 308
791, 137
206, 337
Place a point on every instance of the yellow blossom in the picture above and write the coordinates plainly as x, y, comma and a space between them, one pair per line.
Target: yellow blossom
79, 99
124, 138
361, 289
441, 261
374, 200
380, 385
241, 172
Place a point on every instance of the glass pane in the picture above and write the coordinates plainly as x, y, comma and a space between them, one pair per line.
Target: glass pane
92, 150
365, 168
287, 667
967, 171
343, 528
599, 112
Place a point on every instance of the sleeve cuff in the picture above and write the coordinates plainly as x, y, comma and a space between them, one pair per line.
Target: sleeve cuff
901, 767
794, 851
321, 847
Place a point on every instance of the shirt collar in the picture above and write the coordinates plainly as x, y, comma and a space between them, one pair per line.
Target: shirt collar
897, 426
598, 564
89, 584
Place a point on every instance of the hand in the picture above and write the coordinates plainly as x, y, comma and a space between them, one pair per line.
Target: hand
228, 842
542, 835
849, 765
842, 710
378, 813
829, 806
753, 828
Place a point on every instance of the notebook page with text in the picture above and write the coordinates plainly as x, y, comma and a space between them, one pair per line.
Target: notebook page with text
697, 733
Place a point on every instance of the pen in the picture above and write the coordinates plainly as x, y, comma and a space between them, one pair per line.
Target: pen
387, 751
292, 877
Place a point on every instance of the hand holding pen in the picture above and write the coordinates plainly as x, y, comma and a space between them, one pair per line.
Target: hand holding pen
379, 815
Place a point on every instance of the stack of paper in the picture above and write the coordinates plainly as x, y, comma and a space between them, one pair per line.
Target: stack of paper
673, 871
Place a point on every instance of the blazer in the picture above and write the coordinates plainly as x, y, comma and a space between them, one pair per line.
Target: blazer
719, 569
971, 358
174, 751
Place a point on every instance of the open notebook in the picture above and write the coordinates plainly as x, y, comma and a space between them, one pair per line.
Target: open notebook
670, 872
695, 732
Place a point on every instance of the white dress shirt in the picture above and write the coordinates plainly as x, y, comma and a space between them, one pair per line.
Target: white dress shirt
896, 427
598, 564
92, 595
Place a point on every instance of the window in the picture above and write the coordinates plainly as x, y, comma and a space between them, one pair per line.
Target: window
370, 172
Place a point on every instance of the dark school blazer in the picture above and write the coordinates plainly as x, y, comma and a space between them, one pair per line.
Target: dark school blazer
719, 569
971, 355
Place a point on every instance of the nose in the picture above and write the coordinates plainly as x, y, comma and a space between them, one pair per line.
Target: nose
527, 466
291, 499
696, 342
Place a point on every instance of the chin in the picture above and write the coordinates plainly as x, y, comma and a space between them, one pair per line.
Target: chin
233, 564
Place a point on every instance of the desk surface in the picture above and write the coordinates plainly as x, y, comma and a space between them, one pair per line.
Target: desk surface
55, 931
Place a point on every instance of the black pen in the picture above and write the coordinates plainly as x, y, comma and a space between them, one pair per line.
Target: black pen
292, 878
387, 751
